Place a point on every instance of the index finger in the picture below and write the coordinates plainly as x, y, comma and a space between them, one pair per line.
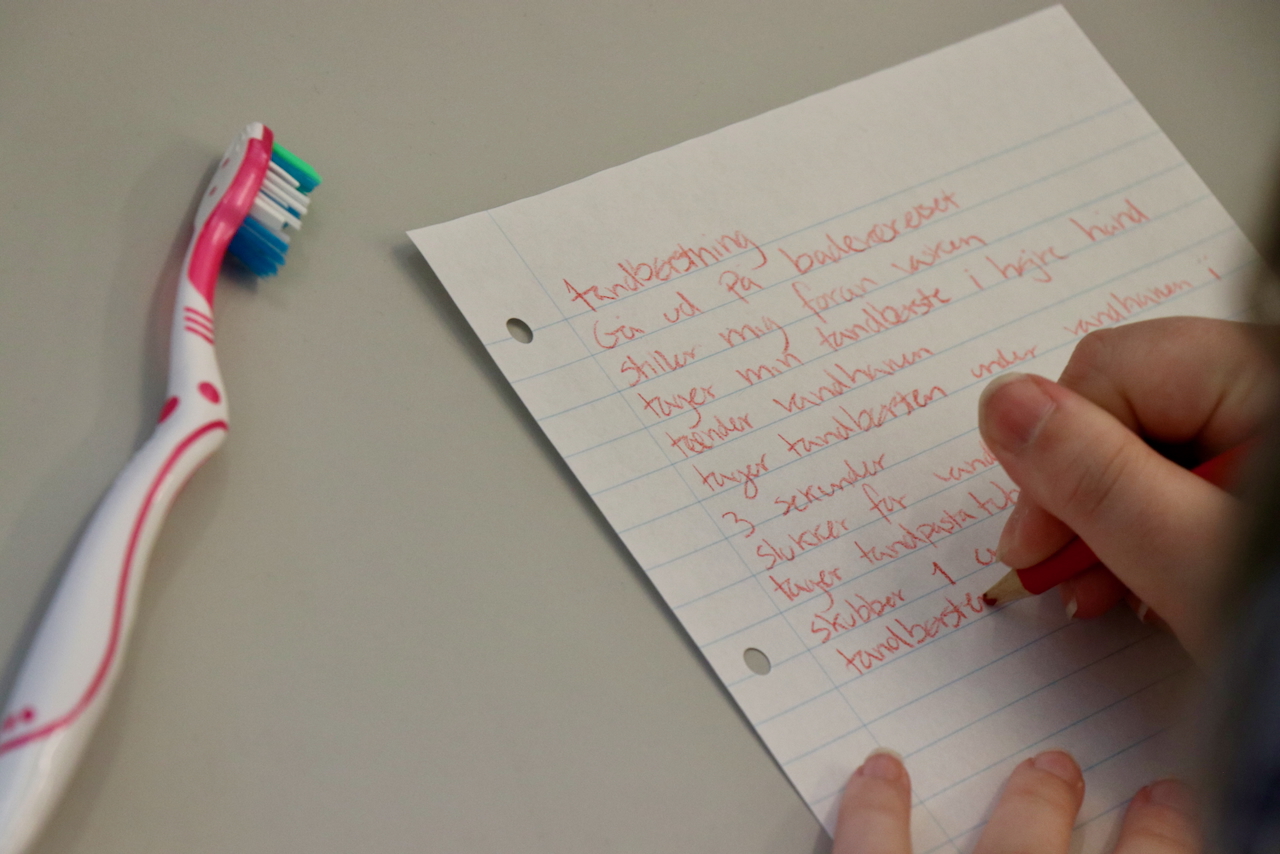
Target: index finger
1177, 381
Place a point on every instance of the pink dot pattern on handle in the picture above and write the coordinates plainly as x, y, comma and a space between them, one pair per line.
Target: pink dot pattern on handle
210, 392
25, 716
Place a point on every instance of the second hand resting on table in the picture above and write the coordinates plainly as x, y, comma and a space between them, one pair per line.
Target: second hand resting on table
1078, 450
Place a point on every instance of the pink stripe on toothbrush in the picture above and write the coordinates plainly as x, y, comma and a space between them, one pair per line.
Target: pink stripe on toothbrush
228, 214
200, 333
195, 318
122, 589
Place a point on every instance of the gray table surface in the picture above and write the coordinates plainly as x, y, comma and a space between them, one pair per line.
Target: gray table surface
385, 617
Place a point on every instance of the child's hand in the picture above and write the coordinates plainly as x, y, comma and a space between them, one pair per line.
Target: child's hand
1078, 450
1034, 815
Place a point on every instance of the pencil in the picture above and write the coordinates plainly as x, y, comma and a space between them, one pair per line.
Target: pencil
1075, 557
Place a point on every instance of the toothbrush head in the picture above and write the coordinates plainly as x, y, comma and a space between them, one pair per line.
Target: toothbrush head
254, 202
263, 238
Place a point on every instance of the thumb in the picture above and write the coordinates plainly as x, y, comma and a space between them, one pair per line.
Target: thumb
1157, 526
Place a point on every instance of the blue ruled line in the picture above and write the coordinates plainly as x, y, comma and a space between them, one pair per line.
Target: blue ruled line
734, 542
733, 301
939, 177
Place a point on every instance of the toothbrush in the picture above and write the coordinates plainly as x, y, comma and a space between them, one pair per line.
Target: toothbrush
253, 203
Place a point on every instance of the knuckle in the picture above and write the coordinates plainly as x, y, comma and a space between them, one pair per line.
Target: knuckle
1042, 792
1169, 834
1090, 357
870, 797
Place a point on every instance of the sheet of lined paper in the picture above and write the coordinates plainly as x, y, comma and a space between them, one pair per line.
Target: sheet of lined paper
761, 351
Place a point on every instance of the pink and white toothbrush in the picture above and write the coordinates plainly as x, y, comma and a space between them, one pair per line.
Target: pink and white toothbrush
253, 203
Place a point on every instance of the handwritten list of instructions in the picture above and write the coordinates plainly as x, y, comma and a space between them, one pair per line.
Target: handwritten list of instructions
761, 351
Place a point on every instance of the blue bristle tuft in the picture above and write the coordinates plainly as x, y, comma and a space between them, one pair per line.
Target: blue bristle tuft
256, 253
264, 234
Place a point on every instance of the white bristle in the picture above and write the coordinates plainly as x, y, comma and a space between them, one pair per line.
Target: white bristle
272, 215
289, 189
273, 193
279, 235
270, 226
285, 194
282, 235
276, 169
267, 213
290, 221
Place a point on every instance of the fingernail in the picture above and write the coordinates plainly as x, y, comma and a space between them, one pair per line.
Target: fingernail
1072, 607
1143, 608
883, 764
1173, 794
1012, 409
1009, 534
1060, 765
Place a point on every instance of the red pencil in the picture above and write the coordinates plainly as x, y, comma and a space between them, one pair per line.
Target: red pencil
1075, 557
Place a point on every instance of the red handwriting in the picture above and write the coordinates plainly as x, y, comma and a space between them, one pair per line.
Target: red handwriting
1120, 307
1001, 361
1130, 215
879, 318
829, 299
769, 370
654, 363
883, 505
738, 520
991, 506
793, 589
973, 466
739, 285
918, 536
847, 424
1037, 260
951, 617
938, 570
931, 255
683, 260
701, 441
863, 660
990, 559
610, 338
746, 476
684, 308
834, 619
665, 407
838, 248
798, 544
811, 494
844, 379
903, 636
737, 335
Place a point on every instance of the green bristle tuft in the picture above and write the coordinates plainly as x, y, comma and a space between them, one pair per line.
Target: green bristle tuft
307, 178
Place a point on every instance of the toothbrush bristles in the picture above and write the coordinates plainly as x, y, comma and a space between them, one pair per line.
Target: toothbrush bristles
263, 238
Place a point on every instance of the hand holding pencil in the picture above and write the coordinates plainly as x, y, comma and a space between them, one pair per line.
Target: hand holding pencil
1079, 451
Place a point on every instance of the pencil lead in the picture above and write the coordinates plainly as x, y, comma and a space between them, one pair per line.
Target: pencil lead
1008, 589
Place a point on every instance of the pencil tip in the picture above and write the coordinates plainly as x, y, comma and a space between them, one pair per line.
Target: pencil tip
1007, 589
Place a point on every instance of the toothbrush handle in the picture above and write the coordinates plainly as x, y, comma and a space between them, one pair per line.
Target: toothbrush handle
75, 657
76, 653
